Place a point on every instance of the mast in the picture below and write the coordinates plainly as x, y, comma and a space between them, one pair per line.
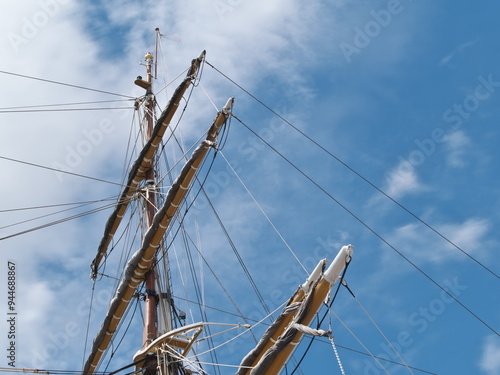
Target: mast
151, 300
143, 261
143, 163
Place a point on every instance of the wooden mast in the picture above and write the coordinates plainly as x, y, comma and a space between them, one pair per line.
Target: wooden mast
150, 331
151, 299
144, 259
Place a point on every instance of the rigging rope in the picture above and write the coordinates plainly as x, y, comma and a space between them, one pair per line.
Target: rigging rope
186, 234
58, 205
263, 213
65, 104
245, 269
358, 340
370, 229
65, 210
55, 222
270, 314
172, 81
382, 333
65, 84
118, 328
88, 324
64, 110
356, 172
240, 259
59, 170
208, 96
198, 290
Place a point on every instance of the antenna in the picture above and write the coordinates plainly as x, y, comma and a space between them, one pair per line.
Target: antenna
157, 39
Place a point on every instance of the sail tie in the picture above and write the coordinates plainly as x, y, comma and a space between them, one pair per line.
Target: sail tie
311, 331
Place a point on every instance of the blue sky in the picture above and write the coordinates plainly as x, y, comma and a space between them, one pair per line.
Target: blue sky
405, 93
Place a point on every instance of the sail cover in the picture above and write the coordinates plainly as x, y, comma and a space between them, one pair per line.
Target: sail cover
141, 261
143, 164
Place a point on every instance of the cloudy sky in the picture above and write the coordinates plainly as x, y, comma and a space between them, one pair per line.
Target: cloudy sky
403, 95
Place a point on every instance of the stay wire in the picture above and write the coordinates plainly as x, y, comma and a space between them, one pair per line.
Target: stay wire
240, 259
56, 205
111, 346
370, 228
61, 211
58, 170
382, 333
201, 190
358, 340
56, 222
247, 320
64, 104
88, 324
358, 174
172, 130
64, 110
128, 325
226, 292
126, 367
265, 215
379, 358
198, 293
65, 84
198, 290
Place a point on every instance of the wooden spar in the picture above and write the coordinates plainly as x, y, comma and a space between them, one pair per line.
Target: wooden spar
279, 347
279, 326
142, 261
143, 163
151, 301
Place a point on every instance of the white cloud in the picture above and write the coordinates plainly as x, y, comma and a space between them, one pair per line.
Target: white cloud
252, 42
402, 180
468, 235
490, 360
64, 47
445, 60
456, 144
428, 247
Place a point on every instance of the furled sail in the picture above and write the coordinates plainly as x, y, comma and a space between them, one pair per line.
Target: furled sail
141, 261
143, 164
282, 337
